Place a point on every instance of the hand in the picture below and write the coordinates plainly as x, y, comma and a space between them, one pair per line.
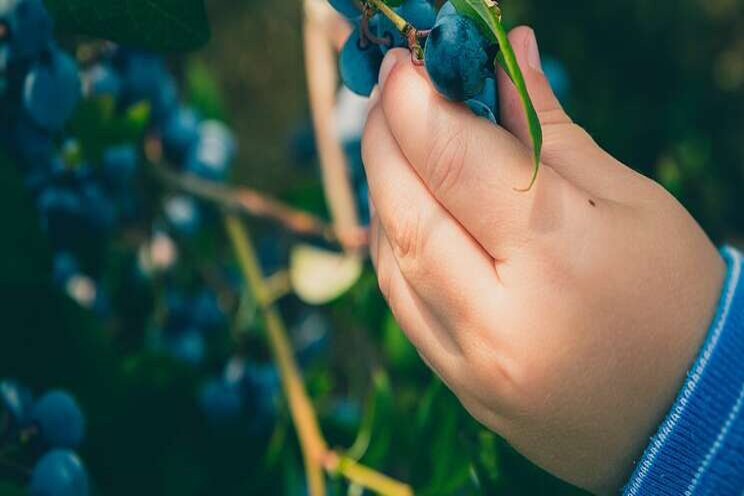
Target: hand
564, 318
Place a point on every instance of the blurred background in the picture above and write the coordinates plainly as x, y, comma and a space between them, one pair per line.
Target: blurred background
659, 84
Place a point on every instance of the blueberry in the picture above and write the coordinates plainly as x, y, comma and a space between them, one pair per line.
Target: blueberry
558, 77
214, 152
59, 473
351, 9
180, 133
489, 95
99, 212
187, 346
59, 419
51, 90
29, 28
206, 311
33, 145
182, 214
65, 266
220, 401
119, 164
456, 58
481, 110
420, 13
310, 336
446, 10
16, 400
101, 80
359, 64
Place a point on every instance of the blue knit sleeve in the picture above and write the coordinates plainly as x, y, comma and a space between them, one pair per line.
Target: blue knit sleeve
699, 447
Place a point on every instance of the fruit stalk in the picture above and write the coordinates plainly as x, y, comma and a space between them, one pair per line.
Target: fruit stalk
400, 24
312, 443
366, 477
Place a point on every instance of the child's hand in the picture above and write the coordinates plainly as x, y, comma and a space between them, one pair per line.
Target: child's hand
564, 318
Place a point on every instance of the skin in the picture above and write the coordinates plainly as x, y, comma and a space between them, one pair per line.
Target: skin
565, 318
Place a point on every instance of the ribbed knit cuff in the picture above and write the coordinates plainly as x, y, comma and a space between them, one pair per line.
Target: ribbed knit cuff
699, 448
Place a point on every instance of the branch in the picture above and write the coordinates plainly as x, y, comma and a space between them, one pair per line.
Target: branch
320, 66
366, 477
311, 440
315, 452
251, 202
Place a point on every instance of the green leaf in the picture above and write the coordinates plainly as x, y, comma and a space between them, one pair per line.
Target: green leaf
487, 14
163, 25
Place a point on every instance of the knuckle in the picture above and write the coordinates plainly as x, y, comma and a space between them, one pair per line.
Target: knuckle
446, 160
407, 236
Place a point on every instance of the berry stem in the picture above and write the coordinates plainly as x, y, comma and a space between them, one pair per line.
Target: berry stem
315, 451
398, 21
312, 443
259, 205
366, 477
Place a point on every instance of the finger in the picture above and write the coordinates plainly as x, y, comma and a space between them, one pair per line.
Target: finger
425, 332
471, 166
443, 265
566, 146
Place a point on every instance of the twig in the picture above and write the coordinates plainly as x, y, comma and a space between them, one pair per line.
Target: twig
251, 202
311, 440
366, 477
316, 455
320, 66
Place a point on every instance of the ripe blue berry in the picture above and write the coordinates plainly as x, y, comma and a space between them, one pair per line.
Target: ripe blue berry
119, 164
59, 473
101, 80
351, 9
180, 133
59, 419
420, 13
481, 110
446, 10
359, 64
456, 58
16, 400
558, 77
29, 27
182, 214
51, 90
213, 154
220, 401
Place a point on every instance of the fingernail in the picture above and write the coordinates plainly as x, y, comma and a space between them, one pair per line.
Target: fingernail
533, 52
387, 66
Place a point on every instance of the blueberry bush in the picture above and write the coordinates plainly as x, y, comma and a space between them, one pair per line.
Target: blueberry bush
186, 306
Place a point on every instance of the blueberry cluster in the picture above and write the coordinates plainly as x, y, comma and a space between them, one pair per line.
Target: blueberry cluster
50, 428
82, 195
458, 58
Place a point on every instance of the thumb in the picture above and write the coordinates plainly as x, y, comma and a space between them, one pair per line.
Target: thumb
566, 146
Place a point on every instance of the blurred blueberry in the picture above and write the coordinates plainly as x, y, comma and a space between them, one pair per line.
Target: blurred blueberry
183, 214
99, 210
60, 420
29, 26
310, 336
65, 266
180, 133
206, 311
119, 164
101, 80
59, 473
16, 400
220, 401
187, 345
558, 77
33, 145
214, 152
51, 90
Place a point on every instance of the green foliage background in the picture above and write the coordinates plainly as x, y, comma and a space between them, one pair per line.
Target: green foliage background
660, 84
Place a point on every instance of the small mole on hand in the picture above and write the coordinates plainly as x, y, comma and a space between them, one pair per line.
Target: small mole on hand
591, 202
